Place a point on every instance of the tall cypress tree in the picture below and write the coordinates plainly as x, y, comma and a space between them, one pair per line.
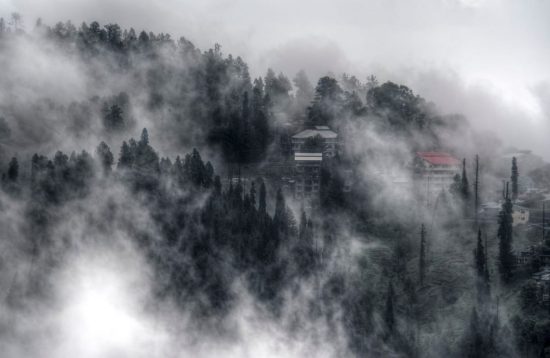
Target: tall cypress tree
303, 225
506, 257
253, 195
126, 157
105, 157
479, 255
543, 219
476, 188
464, 185
13, 170
389, 314
262, 201
514, 178
475, 342
280, 210
482, 271
422, 256
217, 186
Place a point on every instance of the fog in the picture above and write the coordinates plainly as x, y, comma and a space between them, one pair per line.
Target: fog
129, 262
487, 59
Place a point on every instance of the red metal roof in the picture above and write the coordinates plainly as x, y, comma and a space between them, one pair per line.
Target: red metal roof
438, 158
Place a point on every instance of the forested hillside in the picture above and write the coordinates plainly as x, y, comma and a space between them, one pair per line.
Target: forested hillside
141, 166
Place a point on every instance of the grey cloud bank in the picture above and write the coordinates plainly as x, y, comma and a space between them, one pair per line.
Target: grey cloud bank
485, 54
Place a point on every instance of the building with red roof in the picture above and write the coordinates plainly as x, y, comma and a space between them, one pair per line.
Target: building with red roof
440, 159
436, 169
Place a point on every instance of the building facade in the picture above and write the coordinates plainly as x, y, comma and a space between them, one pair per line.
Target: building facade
436, 169
329, 145
491, 211
307, 176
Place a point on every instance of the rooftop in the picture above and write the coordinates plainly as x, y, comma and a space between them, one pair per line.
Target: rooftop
323, 131
438, 158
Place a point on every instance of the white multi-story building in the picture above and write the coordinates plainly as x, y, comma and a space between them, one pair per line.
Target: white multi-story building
307, 176
328, 137
436, 169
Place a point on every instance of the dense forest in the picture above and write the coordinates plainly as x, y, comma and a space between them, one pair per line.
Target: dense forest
150, 157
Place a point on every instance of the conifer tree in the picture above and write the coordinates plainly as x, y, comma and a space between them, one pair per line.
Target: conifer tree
196, 168
389, 314
262, 200
514, 179
126, 157
422, 256
476, 188
144, 137
479, 255
208, 175
13, 170
113, 117
217, 185
482, 271
543, 219
303, 225
280, 208
105, 157
506, 257
475, 347
464, 185
253, 194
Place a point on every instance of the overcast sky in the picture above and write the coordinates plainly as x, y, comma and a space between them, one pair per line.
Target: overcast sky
489, 59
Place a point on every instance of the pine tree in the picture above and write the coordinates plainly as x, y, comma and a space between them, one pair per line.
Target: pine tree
253, 194
476, 189
303, 225
105, 157
280, 209
482, 271
505, 236
196, 170
13, 170
327, 102
475, 346
144, 137
259, 121
422, 256
217, 186
262, 201
126, 157
178, 172
479, 255
464, 185
208, 175
389, 314
543, 220
113, 117
514, 178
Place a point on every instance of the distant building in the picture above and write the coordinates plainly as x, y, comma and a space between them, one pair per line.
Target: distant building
490, 212
534, 256
328, 137
435, 171
526, 257
542, 280
520, 215
526, 160
307, 178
